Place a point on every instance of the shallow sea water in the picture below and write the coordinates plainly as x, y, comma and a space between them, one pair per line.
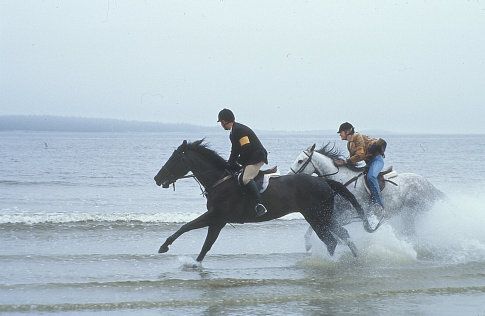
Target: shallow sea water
81, 221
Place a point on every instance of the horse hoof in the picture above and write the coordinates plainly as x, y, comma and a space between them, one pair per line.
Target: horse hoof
163, 249
352, 248
331, 249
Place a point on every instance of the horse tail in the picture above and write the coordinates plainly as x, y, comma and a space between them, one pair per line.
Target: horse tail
342, 190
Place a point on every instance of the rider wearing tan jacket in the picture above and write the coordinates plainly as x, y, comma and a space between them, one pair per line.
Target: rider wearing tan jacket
358, 145
364, 148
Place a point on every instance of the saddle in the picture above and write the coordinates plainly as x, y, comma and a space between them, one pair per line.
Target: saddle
262, 179
382, 178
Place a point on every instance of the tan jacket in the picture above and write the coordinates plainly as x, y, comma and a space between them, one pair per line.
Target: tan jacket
358, 146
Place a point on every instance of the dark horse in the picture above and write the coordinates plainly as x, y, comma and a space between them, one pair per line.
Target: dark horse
226, 202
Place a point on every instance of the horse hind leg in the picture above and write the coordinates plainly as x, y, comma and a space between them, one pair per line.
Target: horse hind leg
342, 234
323, 232
339, 232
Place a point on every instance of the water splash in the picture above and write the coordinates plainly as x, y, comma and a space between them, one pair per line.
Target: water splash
453, 231
188, 263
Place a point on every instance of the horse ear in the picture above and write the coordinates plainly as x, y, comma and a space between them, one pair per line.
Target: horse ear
313, 147
184, 143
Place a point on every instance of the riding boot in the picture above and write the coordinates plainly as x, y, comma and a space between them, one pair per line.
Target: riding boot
252, 188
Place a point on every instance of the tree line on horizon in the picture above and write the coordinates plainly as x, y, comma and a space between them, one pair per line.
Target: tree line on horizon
78, 124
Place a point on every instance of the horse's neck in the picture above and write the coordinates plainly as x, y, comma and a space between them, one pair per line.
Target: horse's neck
345, 174
206, 173
325, 166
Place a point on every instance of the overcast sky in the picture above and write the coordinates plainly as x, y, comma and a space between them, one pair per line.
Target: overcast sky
404, 66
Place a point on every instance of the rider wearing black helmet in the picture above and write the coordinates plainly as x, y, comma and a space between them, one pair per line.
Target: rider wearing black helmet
246, 150
363, 148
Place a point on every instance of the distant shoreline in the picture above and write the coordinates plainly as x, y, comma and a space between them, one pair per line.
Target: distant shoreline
48, 123
51, 123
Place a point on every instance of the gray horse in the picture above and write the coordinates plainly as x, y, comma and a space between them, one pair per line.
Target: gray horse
404, 193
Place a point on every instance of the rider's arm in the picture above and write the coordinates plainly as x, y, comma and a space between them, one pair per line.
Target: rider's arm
358, 153
234, 151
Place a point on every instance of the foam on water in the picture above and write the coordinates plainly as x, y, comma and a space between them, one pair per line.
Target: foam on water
33, 218
383, 247
30, 218
188, 263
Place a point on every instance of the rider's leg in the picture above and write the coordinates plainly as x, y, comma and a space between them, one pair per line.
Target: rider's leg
375, 166
249, 173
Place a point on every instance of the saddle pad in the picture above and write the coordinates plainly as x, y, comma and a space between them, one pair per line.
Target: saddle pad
265, 182
261, 180
390, 175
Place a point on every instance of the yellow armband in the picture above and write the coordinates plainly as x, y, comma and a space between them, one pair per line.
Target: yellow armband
244, 141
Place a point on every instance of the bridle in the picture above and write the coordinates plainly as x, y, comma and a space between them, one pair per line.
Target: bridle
204, 191
305, 164
308, 161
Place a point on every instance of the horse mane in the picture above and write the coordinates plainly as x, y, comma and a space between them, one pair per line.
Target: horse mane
203, 149
331, 151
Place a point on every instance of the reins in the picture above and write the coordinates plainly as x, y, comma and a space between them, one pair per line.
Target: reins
204, 191
305, 164
309, 160
201, 187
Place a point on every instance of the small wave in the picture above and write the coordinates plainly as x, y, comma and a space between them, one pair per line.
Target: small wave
87, 182
149, 305
190, 284
80, 217
270, 298
36, 183
30, 218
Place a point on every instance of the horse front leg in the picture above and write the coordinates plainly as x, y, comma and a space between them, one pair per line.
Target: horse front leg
212, 234
199, 222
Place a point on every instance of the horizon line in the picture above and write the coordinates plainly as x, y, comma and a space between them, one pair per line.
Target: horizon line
324, 131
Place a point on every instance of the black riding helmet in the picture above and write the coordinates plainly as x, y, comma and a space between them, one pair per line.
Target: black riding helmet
226, 115
346, 127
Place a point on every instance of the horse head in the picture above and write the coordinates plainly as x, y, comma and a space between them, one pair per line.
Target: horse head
175, 168
303, 163
319, 161
206, 165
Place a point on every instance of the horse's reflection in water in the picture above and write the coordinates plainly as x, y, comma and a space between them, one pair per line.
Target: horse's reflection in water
310, 196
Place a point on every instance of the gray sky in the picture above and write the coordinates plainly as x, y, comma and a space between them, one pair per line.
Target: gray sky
404, 66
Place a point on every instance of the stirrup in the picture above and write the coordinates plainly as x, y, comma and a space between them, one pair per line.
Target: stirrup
260, 210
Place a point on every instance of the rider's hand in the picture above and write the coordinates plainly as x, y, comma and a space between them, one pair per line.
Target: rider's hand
340, 162
233, 167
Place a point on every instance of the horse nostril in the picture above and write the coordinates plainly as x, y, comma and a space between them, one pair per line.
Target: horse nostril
157, 180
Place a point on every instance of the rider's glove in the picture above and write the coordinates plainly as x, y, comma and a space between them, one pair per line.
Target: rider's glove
232, 166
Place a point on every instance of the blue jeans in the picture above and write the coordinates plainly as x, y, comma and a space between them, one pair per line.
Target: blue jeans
375, 166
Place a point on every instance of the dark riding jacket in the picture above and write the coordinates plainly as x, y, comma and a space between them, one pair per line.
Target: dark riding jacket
246, 148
